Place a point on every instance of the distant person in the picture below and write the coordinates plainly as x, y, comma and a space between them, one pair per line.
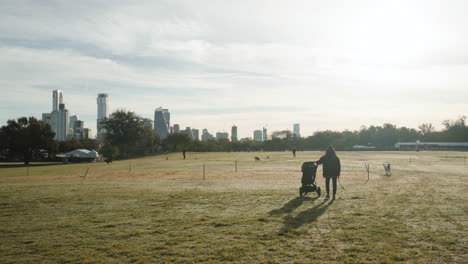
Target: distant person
294, 152
331, 169
183, 153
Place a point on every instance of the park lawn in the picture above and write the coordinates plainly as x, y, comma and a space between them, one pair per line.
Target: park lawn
153, 210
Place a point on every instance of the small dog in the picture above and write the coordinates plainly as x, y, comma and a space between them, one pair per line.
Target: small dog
108, 161
257, 159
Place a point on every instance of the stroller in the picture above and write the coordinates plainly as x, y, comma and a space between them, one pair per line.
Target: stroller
309, 169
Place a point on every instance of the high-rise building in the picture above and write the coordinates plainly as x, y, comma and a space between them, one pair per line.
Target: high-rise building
265, 135
87, 133
222, 135
161, 122
57, 99
258, 135
62, 123
188, 132
73, 118
234, 133
206, 135
78, 128
195, 133
297, 130
102, 112
47, 118
176, 128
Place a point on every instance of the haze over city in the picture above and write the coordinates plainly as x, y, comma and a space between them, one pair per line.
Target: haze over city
326, 65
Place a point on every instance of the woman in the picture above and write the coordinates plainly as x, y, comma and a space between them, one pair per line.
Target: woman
331, 169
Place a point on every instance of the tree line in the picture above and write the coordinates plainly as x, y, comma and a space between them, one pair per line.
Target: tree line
129, 135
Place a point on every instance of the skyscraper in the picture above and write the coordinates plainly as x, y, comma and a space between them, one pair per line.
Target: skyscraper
161, 122
62, 123
176, 128
234, 133
257, 135
265, 135
47, 118
297, 130
73, 118
206, 135
188, 132
102, 112
57, 99
196, 133
78, 128
222, 135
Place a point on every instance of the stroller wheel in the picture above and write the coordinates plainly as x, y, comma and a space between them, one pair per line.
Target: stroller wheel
319, 192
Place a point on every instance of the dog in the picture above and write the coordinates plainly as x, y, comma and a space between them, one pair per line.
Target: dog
257, 159
108, 161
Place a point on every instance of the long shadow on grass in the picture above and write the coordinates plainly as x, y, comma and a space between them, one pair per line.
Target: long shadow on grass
306, 216
291, 205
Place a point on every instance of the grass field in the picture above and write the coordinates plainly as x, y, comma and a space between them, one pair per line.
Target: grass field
153, 210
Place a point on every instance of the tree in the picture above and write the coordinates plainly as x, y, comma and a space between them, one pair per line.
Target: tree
129, 133
455, 130
25, 138
178, 140
426, 129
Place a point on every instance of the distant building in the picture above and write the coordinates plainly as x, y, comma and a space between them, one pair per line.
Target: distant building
62, 123
246, 139
234, 133
258, 135
102, 112
222, 135
196, 133
73, 118
87, 133
265, 135
431, 145
176, 128
297, 130
188, 132
206, 135
162, 122
47, 118
57, 99
78, 129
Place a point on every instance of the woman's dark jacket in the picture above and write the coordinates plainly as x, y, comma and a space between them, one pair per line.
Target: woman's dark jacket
331, 165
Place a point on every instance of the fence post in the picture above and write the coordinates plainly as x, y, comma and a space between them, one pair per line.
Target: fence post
368, 171
204, 168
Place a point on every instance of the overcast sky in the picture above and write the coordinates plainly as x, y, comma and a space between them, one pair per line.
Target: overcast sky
324, 64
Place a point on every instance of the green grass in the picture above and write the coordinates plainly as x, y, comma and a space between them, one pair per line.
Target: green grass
162, 211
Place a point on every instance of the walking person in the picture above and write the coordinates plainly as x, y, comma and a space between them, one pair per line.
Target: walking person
183, 153
331, 170
294, 152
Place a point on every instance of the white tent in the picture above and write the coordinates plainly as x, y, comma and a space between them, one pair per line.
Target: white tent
82, 153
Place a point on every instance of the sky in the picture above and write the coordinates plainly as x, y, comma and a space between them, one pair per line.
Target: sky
324, 64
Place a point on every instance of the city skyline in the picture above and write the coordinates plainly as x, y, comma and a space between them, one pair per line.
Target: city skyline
326, 65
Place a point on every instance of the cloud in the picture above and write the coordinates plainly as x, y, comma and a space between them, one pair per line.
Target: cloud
327, 65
